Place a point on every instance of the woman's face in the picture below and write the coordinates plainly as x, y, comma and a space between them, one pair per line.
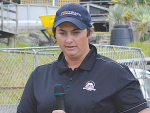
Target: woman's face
72, 41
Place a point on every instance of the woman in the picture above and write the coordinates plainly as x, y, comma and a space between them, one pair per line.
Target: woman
92, 83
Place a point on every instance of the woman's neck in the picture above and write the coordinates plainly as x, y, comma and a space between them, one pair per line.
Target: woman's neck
73, 62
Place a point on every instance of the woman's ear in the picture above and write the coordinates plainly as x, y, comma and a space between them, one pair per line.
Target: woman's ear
89, 37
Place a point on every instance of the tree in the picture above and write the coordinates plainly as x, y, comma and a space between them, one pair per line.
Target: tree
142, 18
117, 14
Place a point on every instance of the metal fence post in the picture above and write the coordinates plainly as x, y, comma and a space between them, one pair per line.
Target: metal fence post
16, 18
144, 66
47, 10
34, 59
28, 14
2, 18
24, 69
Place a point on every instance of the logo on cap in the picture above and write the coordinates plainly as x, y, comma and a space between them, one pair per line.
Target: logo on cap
70, 12
89, 86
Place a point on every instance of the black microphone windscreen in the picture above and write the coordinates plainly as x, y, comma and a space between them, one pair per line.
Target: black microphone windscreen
59, 89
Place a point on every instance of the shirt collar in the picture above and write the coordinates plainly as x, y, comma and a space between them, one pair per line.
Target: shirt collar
87, 63
89, 60
62, 64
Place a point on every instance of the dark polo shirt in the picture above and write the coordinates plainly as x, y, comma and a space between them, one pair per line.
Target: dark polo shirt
98, 85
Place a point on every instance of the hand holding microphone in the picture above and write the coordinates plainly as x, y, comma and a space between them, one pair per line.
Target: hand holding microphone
59, 93
58, 111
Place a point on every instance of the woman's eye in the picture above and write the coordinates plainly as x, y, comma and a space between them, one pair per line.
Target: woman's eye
76, 32
62, 33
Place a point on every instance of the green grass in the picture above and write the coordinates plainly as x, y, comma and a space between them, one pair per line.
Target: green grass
145, 47
2, 45
23, 44
26, 34
10, 96
18, 44
98, 33
23, 34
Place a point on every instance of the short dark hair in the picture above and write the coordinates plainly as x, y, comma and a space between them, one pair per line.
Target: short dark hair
89, 30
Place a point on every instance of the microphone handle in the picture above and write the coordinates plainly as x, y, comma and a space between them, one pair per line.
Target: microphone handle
60, 103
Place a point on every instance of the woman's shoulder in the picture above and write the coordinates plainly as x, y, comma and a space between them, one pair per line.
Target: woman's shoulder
44, 68
109, 62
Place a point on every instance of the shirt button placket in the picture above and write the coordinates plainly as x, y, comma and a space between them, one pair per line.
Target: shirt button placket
67, 86
70, 79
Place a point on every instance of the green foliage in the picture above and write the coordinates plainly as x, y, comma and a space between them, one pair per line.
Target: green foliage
117, 13
142, 14
142, 18
144, 38
129, 13
127, 2
143, 2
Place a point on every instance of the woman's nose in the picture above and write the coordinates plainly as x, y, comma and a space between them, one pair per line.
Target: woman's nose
69, 38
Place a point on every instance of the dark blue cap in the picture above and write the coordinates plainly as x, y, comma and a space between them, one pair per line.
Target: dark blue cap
74, 13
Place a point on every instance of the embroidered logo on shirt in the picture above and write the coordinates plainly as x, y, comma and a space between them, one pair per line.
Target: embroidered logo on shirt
89, 86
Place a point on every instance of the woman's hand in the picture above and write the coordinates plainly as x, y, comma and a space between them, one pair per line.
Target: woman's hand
58, 111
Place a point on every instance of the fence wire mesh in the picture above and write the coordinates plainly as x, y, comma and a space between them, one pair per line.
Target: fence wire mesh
16, 65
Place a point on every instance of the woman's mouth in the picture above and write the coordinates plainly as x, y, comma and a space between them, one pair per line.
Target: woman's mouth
70, 47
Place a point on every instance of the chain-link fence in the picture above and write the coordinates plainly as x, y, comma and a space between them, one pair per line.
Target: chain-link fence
16, 65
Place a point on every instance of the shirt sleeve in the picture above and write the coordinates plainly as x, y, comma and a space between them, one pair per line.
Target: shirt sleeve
129, 98
28, 102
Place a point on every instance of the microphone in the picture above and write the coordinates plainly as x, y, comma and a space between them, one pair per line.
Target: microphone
59, 93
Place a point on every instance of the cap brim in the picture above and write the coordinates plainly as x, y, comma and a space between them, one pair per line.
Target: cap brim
75, 21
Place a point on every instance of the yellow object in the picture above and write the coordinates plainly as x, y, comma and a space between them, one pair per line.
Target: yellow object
56, 45
113, 2
48, 21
